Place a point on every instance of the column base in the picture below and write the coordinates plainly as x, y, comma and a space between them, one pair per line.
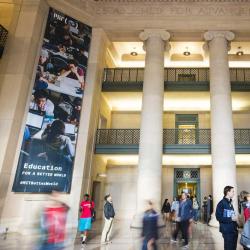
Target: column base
213, 222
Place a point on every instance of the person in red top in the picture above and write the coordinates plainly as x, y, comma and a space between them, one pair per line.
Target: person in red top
85, 223
247, 208
53, 223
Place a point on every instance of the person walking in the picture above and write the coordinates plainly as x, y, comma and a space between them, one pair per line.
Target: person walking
245, 236
166, 209
209, 208
149, 228
226, 216
185, 217
85, 223
109, 215
247, 208
204, 206
53, 223
175, 209
196, 208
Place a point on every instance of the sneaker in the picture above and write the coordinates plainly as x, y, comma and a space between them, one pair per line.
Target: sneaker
109, 242
173, 241
104, 243
185, 247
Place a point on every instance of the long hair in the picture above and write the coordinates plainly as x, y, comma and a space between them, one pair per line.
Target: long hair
57, 128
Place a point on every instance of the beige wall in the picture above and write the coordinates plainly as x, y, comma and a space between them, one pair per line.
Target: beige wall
121, 184
205, 181
243, 182
167, 183
105, 111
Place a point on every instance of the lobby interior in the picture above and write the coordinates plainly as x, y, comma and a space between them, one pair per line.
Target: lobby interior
111, 145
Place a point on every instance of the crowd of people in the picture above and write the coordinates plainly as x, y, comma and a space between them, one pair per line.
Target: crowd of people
182, 212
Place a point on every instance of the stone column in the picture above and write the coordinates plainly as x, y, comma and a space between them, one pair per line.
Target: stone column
151, 133
222, 131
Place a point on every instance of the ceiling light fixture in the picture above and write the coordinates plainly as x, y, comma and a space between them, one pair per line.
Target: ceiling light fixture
239, 52
133, 53
186, 53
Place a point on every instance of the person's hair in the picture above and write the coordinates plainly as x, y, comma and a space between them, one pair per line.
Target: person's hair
57, 128
86, 195
73, 61
227, 189
106, 197
40, 94
210, 196
77, 101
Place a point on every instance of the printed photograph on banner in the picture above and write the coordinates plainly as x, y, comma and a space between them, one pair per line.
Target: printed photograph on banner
48, 148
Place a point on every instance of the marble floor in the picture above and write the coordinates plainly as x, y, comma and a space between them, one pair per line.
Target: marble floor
123, 238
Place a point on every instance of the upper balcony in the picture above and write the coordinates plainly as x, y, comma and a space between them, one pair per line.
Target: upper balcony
175, 79
175, 141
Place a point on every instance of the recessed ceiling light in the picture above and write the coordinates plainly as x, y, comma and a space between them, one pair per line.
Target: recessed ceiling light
133, 53
186, 52
239, 52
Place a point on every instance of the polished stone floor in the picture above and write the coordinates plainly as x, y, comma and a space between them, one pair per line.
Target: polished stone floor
202, 238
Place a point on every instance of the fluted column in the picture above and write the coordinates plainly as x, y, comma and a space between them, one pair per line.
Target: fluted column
222, 132
151, 133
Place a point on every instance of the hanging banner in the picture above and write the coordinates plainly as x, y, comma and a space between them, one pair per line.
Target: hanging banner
47, 154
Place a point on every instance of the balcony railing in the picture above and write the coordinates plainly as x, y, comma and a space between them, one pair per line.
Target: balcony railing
175, 78
170, 136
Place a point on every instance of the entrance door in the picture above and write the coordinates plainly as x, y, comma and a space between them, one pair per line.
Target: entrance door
187, 180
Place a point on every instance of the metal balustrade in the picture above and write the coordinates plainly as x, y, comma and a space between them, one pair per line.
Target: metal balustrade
175, 78
170, 136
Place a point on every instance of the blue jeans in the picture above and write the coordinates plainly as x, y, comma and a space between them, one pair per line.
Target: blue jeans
145, 245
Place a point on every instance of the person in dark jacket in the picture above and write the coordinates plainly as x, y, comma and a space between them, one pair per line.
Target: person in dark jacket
185, 217
109, 214
149, 228
166, 209
228, 221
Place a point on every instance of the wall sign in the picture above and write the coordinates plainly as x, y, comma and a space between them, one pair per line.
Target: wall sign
48, 149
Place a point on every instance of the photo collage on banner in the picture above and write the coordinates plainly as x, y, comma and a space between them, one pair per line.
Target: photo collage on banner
48, 148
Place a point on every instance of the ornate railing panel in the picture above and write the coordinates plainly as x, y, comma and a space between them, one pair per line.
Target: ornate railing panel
118, 79
170, 136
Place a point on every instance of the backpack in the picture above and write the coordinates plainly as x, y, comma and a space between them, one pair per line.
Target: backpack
245, 235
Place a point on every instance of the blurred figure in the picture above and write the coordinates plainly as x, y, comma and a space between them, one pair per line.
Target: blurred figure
204, 206
185, 217
196, 208
175, 209
209, 208
53, 223
85, 224
109, 214
149, 228
245, 236
227, 218
166, 209
247, 208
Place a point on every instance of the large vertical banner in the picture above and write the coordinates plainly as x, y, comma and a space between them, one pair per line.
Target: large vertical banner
48, 149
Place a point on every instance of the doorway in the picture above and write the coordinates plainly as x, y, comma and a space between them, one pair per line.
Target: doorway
187, 180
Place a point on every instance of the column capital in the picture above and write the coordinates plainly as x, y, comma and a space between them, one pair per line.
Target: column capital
210, 35
163, 34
